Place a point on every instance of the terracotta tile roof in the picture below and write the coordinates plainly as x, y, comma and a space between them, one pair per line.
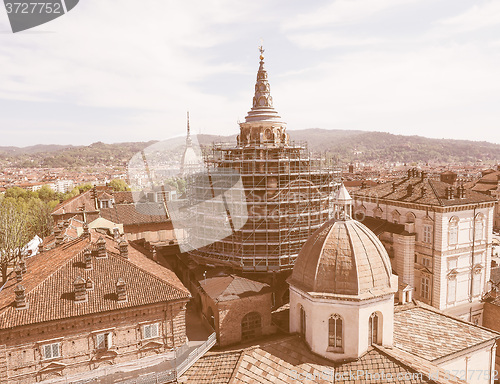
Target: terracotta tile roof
435, 193
75, 204
130, 214
213, 368
226, 288
124, 197
49, 280
425, 332
377, 226
288, 360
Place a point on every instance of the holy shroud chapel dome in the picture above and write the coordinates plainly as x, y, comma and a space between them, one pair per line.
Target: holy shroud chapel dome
343, 257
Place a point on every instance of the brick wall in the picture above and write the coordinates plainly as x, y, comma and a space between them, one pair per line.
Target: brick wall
21, 359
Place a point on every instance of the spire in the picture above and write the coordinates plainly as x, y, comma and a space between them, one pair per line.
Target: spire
262, 109
189, 142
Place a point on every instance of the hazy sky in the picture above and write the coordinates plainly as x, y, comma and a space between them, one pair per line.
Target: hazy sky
129, 70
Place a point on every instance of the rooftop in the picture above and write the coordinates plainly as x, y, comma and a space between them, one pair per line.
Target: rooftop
425, 332
49, 286
288, 360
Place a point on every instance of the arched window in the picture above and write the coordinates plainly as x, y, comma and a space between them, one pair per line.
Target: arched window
396, 216
251, 326
453, 231
302, 321
373, 329
335, 333
410, 217
479, 227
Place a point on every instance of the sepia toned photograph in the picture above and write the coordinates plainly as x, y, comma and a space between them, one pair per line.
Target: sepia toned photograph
266, 192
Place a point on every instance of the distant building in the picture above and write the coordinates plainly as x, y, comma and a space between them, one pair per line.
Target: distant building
489, 184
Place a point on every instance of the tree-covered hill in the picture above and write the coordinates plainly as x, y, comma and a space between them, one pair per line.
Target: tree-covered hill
345, 146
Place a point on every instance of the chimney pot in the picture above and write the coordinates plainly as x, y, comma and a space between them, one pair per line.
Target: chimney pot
121, 290
87, 256
19, 274
20, 297
79, 288
86, 233
123, 246
101, 248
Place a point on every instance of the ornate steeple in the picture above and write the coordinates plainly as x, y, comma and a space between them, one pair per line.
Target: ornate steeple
263, 125
262, 109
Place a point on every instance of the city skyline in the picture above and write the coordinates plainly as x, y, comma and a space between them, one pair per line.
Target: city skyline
122, 73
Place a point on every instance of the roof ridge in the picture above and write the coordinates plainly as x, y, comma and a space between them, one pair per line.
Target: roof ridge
435, 192
150, 273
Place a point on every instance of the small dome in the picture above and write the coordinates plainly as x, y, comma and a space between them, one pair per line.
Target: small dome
343, 258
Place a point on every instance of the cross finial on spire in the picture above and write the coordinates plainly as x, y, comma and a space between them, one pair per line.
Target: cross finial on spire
261, 50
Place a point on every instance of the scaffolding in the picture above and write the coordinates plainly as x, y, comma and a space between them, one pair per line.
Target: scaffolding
287, 195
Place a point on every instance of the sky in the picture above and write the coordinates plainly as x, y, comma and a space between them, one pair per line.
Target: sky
116, 71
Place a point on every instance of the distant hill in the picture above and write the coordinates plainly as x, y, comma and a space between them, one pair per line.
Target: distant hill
345, 146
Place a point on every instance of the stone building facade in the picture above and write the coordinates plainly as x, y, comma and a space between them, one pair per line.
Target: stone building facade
84, 305
452, 229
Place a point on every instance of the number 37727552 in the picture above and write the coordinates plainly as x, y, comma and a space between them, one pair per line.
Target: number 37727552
48, 7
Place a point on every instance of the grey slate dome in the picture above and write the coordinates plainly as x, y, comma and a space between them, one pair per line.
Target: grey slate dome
343, 258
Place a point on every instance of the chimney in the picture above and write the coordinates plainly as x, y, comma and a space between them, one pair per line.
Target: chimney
20, 297
19, 274
89, 284
59, 234
121, 290
22, 265
393, 187
409, 189
123, 246
449, 192
79, 288
86, 233
101, 248
87, 256
423, 175
116, 234
424, 190
155, 255
409, 173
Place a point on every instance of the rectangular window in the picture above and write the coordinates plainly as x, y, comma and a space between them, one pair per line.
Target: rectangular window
424, 288
51, 351
479, 231
427, 234
426, 262
452, 264
150, 330
453, 235
103, 341
476, 284
452, 290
